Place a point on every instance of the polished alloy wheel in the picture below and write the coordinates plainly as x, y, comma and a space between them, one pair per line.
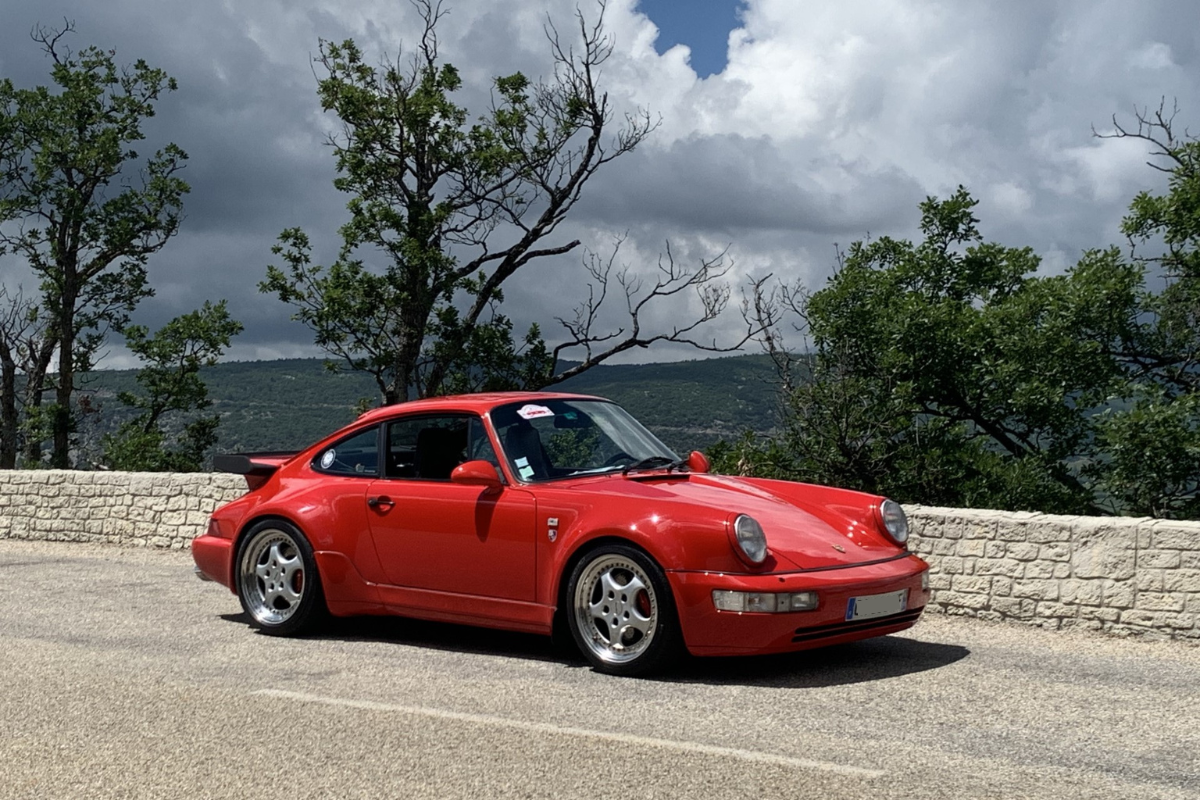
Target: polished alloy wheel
615, 608
272, 576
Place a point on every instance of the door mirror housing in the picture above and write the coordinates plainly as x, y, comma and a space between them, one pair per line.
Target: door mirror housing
477, 473
697, 462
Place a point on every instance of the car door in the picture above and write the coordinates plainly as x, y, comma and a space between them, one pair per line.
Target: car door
434, 534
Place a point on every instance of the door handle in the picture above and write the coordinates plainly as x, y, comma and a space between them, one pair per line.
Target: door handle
383, 502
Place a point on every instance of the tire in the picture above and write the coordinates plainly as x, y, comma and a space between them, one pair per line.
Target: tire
621, 612
277, 580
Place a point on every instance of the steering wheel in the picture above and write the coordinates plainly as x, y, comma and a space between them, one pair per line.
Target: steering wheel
615, 459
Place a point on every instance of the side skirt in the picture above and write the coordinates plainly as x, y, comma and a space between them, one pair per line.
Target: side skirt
347, 593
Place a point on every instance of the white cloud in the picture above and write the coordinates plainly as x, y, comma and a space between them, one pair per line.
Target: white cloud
1155, 55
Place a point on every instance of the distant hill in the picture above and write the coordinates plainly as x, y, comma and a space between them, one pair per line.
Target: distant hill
287, 404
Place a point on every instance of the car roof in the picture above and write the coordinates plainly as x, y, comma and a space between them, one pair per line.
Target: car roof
474, 403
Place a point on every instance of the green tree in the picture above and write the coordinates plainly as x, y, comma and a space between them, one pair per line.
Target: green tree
1152, 439
948, 371
171, 390
450, 209
86, 212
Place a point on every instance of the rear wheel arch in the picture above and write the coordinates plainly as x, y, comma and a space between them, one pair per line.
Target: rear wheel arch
248, 526
283, 594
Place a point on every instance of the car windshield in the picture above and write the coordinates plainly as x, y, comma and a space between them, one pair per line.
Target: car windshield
548, 439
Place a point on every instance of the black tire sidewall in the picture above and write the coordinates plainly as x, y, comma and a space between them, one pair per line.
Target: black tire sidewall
312, 603
665, 644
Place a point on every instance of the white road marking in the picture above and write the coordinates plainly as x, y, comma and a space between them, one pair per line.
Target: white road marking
559, 730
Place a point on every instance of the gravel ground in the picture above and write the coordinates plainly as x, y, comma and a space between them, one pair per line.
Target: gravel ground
124, 676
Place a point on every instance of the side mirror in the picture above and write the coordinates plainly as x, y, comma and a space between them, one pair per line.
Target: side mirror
477, 473
697, 462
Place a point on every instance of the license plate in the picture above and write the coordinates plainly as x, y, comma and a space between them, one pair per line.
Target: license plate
876, 605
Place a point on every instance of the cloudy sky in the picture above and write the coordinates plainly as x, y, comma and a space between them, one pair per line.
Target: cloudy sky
787, 126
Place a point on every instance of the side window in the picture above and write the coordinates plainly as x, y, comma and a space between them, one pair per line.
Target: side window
355, 455
479, 446
427, 448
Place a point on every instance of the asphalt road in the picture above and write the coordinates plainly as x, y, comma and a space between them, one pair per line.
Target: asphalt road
124, 676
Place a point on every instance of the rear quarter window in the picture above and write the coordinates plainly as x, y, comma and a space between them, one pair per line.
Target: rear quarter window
356, 455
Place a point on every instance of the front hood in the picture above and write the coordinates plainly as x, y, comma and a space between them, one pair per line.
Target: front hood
807, 527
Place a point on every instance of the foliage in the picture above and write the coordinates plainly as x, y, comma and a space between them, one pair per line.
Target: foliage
1153, 442
947, 371
1153, 449
85, 211
171, 385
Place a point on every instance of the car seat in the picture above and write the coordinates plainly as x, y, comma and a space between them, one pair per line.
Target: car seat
522, 441
439, 451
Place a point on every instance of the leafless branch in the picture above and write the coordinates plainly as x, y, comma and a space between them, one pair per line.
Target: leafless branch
670, 280
1156, 128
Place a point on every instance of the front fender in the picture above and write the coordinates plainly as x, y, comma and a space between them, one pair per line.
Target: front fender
683, 542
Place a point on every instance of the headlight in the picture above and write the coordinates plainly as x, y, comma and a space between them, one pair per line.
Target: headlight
751, 540
894, 520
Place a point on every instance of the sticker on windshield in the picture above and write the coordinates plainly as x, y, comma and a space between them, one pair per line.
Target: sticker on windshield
327, 459
530, 411
523, 468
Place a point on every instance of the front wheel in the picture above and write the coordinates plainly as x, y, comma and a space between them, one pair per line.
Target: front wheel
621, 614
277, 580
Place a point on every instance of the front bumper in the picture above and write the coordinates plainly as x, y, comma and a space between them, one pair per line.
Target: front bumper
709, 632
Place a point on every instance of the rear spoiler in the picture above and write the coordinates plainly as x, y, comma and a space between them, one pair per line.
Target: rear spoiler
256, 467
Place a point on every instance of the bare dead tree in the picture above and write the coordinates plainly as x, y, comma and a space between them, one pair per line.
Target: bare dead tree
770, 306
1155, 128
669, 280
26, 349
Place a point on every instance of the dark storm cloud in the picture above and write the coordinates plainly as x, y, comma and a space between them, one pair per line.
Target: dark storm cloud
253, 131
832, 122
736, 185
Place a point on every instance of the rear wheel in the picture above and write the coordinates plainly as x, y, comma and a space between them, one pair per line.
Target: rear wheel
277, 579
621, 614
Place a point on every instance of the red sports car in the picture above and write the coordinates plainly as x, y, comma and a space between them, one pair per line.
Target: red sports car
527, 511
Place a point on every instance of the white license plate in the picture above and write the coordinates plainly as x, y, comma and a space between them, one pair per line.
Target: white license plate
876, 605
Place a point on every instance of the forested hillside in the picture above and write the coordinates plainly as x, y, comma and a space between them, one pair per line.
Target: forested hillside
283, 405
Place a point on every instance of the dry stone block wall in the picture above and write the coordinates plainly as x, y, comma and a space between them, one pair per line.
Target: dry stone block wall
1125, 576
1117, 574
135, 509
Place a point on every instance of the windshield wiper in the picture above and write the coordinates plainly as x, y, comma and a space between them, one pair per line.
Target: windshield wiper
654, 462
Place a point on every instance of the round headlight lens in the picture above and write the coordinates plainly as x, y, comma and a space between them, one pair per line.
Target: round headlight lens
894, 520
750, 538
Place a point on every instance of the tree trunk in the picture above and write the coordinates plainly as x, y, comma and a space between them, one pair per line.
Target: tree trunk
34, 385
60, 456
408, 355
8, 409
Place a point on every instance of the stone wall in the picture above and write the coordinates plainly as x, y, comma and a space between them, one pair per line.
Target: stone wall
134, 509
1125, 576
1122, 575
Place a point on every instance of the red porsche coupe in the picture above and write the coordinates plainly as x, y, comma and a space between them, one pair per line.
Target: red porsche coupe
527, 511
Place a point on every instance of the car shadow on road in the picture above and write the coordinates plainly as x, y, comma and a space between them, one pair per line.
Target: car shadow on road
839, 665
441, 636
857, 662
